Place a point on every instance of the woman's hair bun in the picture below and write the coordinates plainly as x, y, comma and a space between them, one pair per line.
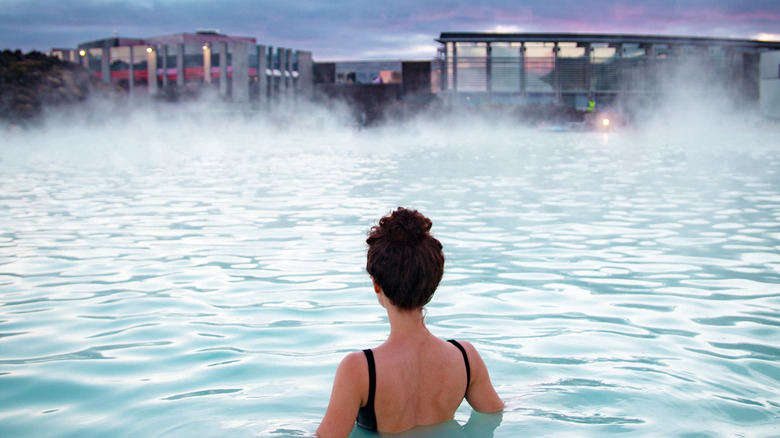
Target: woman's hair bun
404, 259
405, 226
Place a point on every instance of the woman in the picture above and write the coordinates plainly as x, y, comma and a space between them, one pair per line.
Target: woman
413, 378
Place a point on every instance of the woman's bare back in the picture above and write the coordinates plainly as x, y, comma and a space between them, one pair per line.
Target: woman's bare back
434, 379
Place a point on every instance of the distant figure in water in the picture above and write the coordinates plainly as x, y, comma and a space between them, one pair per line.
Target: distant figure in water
413, 378
591, 104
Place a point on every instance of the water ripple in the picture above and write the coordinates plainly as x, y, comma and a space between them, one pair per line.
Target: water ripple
613, 285
202, 393
87, 354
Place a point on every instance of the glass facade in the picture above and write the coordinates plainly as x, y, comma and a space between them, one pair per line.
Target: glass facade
94, 61
471, 62
198, 61
122, 57
525, 68
520, 68
506, 65
140, 62
368, 72
539, 65
193, 63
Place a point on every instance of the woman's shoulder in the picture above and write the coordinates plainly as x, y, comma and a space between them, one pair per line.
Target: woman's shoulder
352, 374
470, 349
475, 361
354, 362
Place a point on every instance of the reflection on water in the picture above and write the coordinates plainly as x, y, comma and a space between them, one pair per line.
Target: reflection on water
203, 288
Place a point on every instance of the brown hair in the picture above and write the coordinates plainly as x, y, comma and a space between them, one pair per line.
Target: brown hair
404, 259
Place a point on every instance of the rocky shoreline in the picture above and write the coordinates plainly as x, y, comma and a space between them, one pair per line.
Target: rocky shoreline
33, 82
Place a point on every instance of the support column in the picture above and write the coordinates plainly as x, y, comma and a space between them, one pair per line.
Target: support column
240, 61
443, 75
262, 75
649, 69
523, 81
455, 67
588, 69
105, 65
489, 72
305, 75
621, 69
288, 69
283, 79
180, 64
151, 69
223, 78
131, 71
164, 56
288, 78
556, 75
207, 63
282, 91
272, 74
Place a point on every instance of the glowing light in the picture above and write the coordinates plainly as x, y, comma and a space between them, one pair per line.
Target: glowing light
149, 50
506, 29
605, 122
205, 47
767, 37
82, 53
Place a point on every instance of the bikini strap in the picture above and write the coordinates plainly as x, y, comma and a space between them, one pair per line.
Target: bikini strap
371, 377
466, 360
366, 417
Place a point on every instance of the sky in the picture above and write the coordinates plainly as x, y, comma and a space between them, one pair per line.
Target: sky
336, 30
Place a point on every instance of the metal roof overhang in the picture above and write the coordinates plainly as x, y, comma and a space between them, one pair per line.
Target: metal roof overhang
582, 38
110, 42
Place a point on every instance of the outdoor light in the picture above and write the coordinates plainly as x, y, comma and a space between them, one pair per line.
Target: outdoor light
605, 122
149, 50
82, 53
205, 47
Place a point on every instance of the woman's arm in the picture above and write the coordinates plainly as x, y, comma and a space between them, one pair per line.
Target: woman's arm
480, 394
350, 392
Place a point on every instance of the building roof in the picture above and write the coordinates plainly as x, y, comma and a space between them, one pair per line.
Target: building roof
582, 38
111, 42
199, 38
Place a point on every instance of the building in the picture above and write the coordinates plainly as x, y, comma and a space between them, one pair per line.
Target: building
566, 69
770, 84
70, 55
376, 90
238, 67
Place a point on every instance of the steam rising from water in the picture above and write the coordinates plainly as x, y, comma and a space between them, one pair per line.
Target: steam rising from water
696, 109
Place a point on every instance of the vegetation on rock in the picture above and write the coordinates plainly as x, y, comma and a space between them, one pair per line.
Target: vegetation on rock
33, 82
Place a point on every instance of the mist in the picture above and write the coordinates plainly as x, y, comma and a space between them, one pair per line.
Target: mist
695, 117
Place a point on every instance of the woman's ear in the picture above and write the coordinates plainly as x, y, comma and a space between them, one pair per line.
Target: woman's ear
380, 296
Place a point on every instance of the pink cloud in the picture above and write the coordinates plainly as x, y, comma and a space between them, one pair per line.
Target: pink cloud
629, 12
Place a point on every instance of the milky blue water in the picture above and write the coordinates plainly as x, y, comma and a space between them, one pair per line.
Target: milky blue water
206, 280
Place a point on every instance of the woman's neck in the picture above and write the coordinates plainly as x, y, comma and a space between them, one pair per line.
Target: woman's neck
407, 325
